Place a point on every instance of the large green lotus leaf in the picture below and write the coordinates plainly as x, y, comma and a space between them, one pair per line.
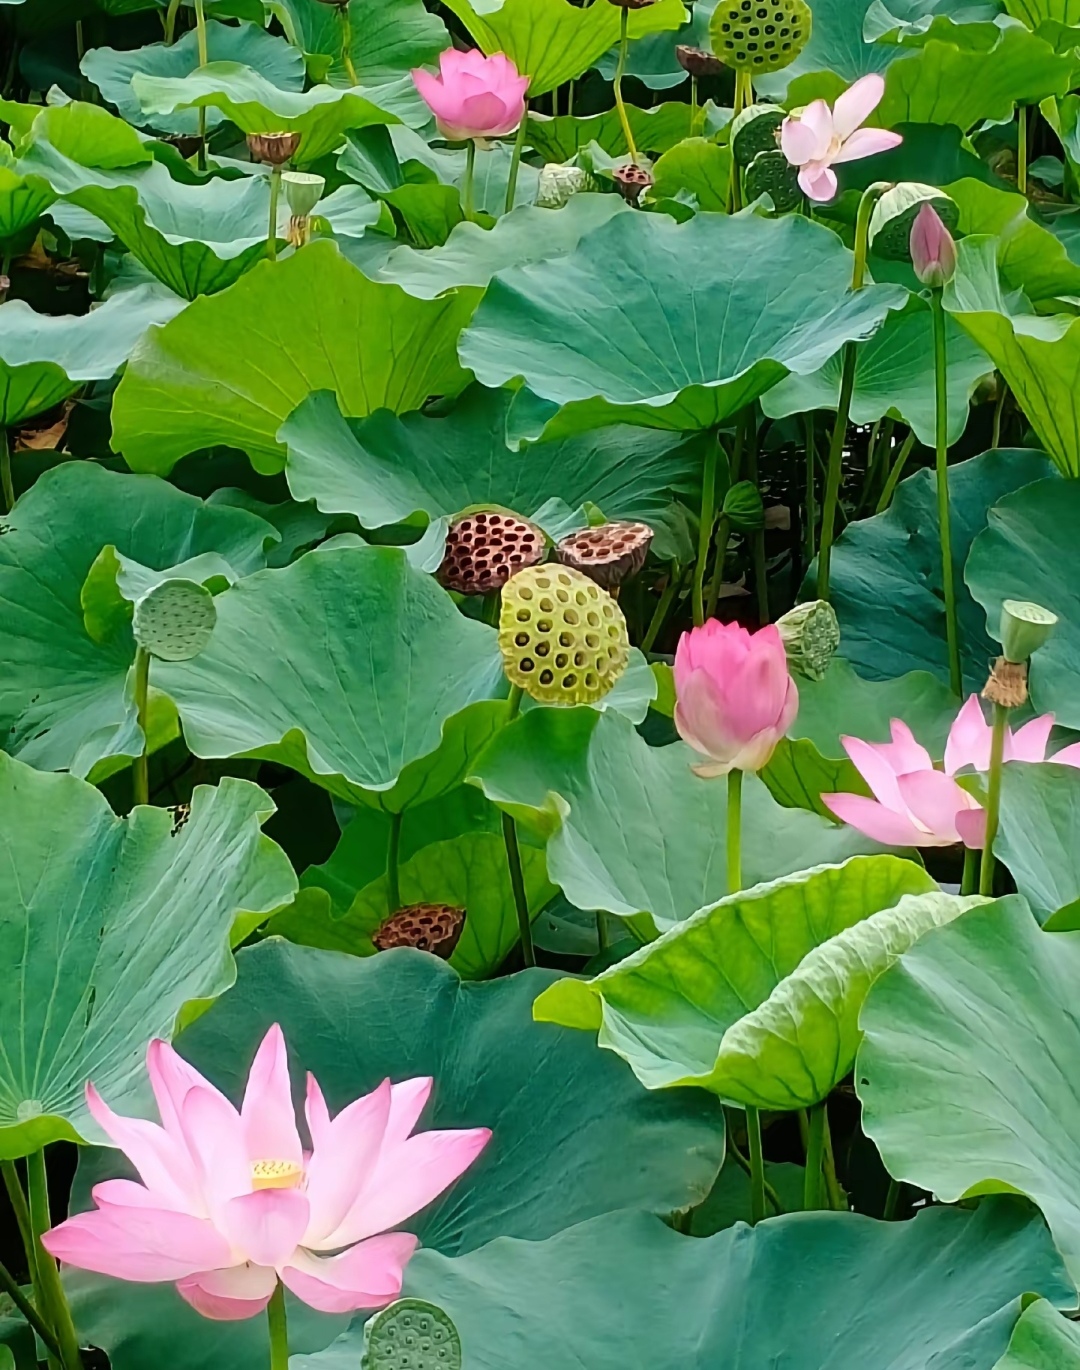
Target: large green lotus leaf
322, 116
1039, 839
886, 571
23, 199
894, 376
632, 828
554, 41
559, 138
388, 36
1021, 554
816, 1291
234, 366
594, 1141
1042, 1340
105, 943
111, 69
386, 469
811, 760
757, 998
670, 325
63, 701
968, 1072
697, 171
345, 666
46, 357
469, 872
1035, 12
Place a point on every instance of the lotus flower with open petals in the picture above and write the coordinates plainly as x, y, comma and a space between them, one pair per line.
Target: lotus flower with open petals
819, 138
231, 1201
474, 96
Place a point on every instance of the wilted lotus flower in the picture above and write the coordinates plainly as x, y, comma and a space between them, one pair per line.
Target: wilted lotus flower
933, 252
736, 699
231, 1202
474, 96
820, 138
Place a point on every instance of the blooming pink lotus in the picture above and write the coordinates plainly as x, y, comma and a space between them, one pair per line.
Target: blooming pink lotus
736, 699
819, 137
474, 96
915, 805
231, 1202
933, 252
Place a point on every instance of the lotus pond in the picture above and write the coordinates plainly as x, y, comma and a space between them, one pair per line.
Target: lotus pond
539, 708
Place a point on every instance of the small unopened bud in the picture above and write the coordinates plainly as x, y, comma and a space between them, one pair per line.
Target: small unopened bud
698, 62
558, 185
933, 252
895, 214
302, 191
811, 634
1008, 684
1025, 627
273, 148
631, 180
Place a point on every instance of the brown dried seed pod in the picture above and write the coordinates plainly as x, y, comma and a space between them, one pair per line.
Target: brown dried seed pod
631, 180
274, 148
427, 927
609, 554
697, 61
484, 550
1008, 684
187, 144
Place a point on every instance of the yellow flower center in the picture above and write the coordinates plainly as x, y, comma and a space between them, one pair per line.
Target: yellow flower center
275, 1174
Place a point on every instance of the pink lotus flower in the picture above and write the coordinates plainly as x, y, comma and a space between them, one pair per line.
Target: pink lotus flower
915, 805
736, 699
820, 137
474, 96
231, 1202
933, 252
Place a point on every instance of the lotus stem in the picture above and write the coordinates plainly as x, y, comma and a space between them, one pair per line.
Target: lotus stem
663, 608
515, 160
513, 854
757, 1164
757, 545
620, 105
999, 410
140, 772
393, 850
51, 1292
811, 488
894, 475
832, 1187
11, 1288
993, 799
770, 1193
170, 22
705, 528
275, 195
346, 45
969, 882
892, 1201
204, 58
723, 536
734, 831
815, 1155
279, 1329
467, 184
7, 487
19, 1206
941, 390
833, 473
1022, 149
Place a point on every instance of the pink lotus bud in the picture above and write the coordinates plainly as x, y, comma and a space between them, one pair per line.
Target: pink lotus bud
736, 699
933, 252
474, 96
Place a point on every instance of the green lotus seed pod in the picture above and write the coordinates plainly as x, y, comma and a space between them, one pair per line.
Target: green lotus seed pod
1025, 627
896, 211
174, 620
811, 635
760, 35
755, 130
770, 173
558, 185
303, 192
563, 639
411, 1335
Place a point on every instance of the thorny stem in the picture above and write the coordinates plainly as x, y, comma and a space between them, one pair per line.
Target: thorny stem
734, 831
140, 770
467, 184
941, 466
346, 46
663, 608
993, 798
11, 1288
757, 1164
275, 195
815, 1154
51, 1292
969, 882
895, 474
513, 856
705, 527
620, 104
204, 57
7, 487
279, 1329
515, 160
393, 849
170, 22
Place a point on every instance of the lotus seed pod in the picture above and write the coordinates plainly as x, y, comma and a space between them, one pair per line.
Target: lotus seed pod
302, 191
698, 62
755, 130
631, 180
484, 550
273, 148
770, 173
435, 928
174, 621
811, 635
1025, 627
411, 1335
609, 554
760, 35
563, 639
896, 211
558, 185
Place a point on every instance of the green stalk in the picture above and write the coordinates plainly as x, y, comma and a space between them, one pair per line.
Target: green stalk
757, 1164
757, 544
515, 160
19, 1206
969, 883
275, 196
815, 1154
170, 22
51, 1292
7, 487
723, 536
832, 1187
204, 58
999, 410
140, 770
693, 104
513, 855
734, 831
993, 799
346, 45
393, 849
279, 1329
894, 475
811, 489
892, 1201
1022, 149
705, 527
11, 1288
941, 391
744, 1165
467, 184
663, 608
620, 105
